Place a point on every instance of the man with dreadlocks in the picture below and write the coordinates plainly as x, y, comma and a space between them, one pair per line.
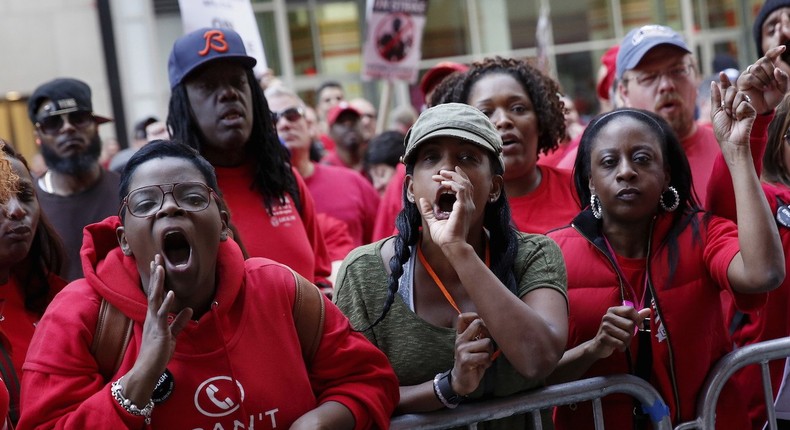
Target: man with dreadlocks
217, 107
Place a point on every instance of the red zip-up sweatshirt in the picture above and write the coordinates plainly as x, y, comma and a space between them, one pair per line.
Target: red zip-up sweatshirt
238, 367
687, 330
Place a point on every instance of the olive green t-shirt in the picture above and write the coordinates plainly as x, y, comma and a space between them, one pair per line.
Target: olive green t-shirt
419, 350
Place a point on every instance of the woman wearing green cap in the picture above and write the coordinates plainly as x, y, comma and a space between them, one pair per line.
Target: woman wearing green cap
464, 306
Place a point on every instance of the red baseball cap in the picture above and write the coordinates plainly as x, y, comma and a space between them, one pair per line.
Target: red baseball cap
339, 109
436, 74
609, 60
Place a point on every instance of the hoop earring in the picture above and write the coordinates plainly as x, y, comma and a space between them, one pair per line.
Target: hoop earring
675, 203
595, 206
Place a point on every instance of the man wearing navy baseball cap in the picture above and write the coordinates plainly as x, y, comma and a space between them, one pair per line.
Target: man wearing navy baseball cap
75, 190
657, 72
218, 108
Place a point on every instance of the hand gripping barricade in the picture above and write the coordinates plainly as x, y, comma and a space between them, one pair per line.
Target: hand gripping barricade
534, 401
759, 353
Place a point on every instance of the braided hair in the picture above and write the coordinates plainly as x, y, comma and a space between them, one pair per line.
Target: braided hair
542, 91
272, 174
503, 243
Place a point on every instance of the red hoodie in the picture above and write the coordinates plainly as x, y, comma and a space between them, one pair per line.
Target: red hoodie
238, 366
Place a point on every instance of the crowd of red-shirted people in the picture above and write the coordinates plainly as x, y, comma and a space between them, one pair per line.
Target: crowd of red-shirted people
253, 261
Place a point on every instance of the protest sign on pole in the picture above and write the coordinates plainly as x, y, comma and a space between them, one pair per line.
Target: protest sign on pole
234, 14
393, 39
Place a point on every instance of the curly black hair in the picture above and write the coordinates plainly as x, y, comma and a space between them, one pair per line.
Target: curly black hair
542, 91
272, 176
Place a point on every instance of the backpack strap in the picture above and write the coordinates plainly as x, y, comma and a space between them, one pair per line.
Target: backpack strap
113, 331
308, 314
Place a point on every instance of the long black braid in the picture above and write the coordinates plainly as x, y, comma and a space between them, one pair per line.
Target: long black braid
496, 218
272, 175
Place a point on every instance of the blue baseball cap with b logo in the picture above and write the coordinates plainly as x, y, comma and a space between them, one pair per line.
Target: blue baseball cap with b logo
203, 46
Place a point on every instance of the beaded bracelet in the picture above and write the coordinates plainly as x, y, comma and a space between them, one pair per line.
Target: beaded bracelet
127, 404
443, 389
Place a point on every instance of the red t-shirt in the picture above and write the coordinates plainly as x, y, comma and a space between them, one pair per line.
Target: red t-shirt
563, 157
345, 195
701, 149
286, 236
336, 236
332, 159
329, 144
390, 205
552, 204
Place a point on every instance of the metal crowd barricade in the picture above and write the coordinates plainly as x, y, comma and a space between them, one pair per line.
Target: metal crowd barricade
532, 402
762, 353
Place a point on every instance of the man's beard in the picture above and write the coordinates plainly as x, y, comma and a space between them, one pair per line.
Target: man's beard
680, 122
681, 125
76, 164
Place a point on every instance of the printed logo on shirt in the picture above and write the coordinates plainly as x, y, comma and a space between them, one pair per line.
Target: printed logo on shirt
284, 214
217, 397
783, 215
260, 420
661, 332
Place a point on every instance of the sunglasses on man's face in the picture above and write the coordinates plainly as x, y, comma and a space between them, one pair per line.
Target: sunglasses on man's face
291, 114
52, 124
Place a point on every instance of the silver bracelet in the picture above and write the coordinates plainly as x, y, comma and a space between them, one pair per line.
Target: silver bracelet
127, 404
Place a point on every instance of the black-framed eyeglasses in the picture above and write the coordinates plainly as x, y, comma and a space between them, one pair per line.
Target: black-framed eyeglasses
650, 79
52, 124
291, 114
146, 201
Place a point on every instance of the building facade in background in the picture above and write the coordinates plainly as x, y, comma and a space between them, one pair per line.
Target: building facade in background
309, 41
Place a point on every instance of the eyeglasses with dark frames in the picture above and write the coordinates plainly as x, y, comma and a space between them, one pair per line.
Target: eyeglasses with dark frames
650, 79
291, 114
52, 124
146, 201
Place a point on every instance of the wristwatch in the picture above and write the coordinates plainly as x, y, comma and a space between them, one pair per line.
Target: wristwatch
443, 388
